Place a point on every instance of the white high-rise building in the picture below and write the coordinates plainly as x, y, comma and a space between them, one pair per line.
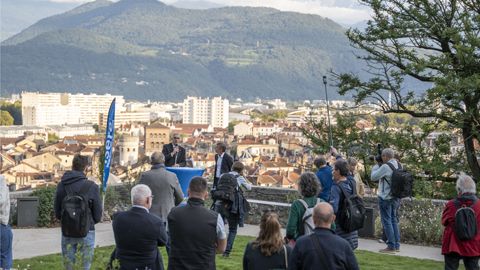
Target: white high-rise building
63, 108
211, 111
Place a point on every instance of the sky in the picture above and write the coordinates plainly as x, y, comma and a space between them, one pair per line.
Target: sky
17, 15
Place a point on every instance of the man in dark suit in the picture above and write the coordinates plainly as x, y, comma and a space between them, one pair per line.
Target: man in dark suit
223, 162
322, 249
139, 233
174, 154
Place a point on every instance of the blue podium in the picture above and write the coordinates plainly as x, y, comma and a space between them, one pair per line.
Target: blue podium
185, 175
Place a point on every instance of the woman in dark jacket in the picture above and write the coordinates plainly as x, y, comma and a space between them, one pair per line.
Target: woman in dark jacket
267, 251
340, 175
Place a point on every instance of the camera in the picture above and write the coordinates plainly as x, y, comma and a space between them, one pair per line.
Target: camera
378, 156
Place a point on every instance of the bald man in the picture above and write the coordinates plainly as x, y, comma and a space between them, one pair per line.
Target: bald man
323, 249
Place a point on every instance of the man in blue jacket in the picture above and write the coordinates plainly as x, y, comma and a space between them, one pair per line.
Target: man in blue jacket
74, 181
324, 174
138, 233
322, 249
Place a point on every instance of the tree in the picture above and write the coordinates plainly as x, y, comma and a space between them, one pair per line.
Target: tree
435, 42
15, 110
352, 140
5, 118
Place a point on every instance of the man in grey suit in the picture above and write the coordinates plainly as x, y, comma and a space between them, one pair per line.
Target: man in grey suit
165, 188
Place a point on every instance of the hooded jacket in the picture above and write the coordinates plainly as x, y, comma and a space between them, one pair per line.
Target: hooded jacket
75, 181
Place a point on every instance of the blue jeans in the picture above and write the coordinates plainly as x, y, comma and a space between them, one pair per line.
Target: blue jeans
81, 248
232, 231
388, 215
6, 237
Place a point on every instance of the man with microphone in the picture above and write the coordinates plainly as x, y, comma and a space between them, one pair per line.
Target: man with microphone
174, 153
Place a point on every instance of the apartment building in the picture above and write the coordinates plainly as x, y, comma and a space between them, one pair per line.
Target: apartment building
211, 111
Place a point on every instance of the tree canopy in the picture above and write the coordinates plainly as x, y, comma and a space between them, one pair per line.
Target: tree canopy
436, 42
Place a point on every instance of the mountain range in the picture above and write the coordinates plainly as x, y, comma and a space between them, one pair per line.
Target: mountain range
145, 49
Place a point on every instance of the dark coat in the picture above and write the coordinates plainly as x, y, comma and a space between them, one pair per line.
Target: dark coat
338, 255
227, 162
193, 233
75, 180
337, 200
180, 156
450, 242
253, 259
137, 237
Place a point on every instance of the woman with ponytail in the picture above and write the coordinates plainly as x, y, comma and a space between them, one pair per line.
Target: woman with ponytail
268, 251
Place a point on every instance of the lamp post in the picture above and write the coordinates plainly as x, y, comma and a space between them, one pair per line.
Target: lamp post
330, 139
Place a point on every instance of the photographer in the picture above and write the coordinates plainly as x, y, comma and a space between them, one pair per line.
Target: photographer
388, 205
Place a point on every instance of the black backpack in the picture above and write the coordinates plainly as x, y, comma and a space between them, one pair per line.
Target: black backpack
465, 221
226, 188
75, 215
402, 182
351, 214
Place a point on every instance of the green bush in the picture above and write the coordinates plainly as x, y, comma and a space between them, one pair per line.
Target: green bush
431, 189
46, 214
420, 222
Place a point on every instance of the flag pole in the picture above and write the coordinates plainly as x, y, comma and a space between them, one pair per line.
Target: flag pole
108, 147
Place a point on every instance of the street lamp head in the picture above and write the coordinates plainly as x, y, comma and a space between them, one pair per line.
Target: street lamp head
325, 80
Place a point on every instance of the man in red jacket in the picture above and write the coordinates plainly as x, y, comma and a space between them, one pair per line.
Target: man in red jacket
453, 248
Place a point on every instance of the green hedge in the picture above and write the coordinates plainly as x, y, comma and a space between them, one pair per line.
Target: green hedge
46, 214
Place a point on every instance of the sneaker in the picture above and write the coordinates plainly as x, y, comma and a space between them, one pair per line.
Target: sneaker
381, 241
387, 250
397, 250
225, 255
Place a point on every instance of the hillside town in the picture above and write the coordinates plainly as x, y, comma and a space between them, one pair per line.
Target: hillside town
57, 126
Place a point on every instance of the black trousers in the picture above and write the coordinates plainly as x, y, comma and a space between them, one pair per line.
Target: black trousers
452, 260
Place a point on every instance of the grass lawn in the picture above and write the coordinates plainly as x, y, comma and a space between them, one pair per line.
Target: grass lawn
367, 260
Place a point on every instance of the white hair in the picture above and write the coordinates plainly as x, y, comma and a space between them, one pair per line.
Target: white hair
388, 152
140, 193
465, 184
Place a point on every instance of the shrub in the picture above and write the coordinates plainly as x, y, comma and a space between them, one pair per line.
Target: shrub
434, 189
46, 214
420, 223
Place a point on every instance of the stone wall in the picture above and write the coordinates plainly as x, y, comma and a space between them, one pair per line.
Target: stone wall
420, 219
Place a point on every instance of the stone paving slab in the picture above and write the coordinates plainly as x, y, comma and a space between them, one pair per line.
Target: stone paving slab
29, 243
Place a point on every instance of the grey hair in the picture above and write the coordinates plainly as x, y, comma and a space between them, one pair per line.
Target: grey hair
465, 184
309, 185
388, 152
352, 161
140, 193
157, 158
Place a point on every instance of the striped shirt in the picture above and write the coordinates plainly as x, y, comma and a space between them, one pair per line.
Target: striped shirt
4, 201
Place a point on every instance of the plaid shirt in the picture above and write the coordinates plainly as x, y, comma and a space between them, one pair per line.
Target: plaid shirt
4, 201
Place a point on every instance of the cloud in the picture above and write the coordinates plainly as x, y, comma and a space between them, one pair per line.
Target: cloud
71, 1
341, 12
344, 11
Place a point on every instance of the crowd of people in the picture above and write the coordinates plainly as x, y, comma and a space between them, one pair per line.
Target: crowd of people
193, 233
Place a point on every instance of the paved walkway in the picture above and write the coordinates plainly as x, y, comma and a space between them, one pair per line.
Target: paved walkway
29, 243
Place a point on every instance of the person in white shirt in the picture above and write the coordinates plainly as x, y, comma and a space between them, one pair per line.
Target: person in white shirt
6, 235
388, 205
223, 162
